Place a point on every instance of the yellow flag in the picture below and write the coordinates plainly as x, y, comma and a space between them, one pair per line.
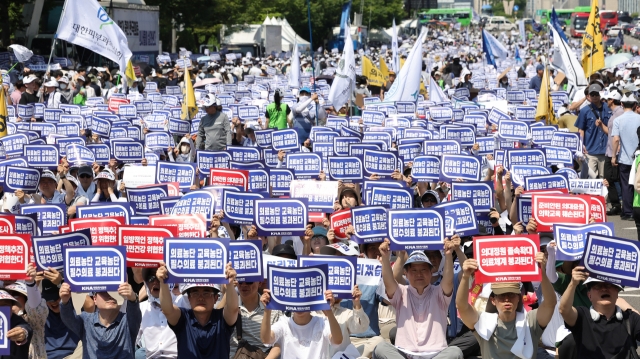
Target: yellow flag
423, 90
130, 73
189, 105
545, 104
384, 69
372, 73
401, 62
4, 115
592, 49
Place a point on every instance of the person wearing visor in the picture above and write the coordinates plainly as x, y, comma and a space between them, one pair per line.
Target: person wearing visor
20, 333
214, 131
429, 199
314, 239
48, 192
87, 186
202, 331
504, 329
105, 190
604, 330
52, 98
591, 124
421, 308
304, 113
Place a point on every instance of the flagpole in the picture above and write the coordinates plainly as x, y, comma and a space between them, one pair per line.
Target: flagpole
313, 74
55, 36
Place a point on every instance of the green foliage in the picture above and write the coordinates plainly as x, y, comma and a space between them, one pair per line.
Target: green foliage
10, 19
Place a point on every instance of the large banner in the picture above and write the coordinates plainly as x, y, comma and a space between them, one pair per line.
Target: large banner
298, 289
507, 258
612, 259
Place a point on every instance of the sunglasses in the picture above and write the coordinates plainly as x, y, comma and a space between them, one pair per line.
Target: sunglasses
247, 283
85, 176
430, 200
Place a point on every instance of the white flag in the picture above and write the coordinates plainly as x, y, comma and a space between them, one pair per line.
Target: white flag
22, 53
395, 58
497, 48
294, 69
523, 36
571, 66
345, 75
407, 84
87, 24
435, 92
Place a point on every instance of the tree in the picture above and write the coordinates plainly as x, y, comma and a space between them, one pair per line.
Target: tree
10, 19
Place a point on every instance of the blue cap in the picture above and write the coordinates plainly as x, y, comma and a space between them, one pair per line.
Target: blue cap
319, 231
305, 89
418, 257
540, 67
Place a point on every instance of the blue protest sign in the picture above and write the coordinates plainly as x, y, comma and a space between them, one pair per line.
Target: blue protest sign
479, 194
453, 167
95, 268
114, 209
127, 151
246, 258
525, 113
158, 140
567, 140
101, 152
286, 139
409, 151
542, 135
238, 206
50, 216
612, 259
179, 127
68, 129
570, 240
495, 116
212, 159
440, 147
529, 156
341, 145
426, 168
280, 217
78, 155
127, 111
418, 133
347, 131
27, 224
465, 135
357, 149
525, 209
395, 198
513, 130
139, 221
372, 118
487, 145
52, 115
298, 289
100, 126
259, 180
416, 229
263, 138
48, 251
42, 156
280, 179
379, 163
347, 169
324, 149
244, 154
5, 326
305, 165
552, 181
196, 202
341, 272
13, 144
43, 128
441, 113
167, 204
196, 260
181, 172
369, 224
460, 218
324, 136
559, 155
378, 137
21, 178
146, 201
520, 172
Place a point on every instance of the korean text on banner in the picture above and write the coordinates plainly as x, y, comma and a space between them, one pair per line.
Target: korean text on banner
298, 289
507, 258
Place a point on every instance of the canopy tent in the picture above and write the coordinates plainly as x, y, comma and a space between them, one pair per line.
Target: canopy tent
289, 36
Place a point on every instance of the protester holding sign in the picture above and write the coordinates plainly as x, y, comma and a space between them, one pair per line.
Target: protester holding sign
603, 330
19, 335
505, 330
202, 331
421, 308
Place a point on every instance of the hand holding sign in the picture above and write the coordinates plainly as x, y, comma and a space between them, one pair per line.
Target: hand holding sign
65, 293
578, 275
127, 292
230, 273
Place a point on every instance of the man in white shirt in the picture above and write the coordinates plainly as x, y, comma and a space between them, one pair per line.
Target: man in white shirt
158, 339
87, 187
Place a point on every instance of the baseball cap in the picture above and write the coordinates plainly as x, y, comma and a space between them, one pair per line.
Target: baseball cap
48, 174
63, 79
562, 110
628, 98
81, 78
284, 249
319, 231
50, 291
29, 79
430, 193
52, 83
85, 170
105, 174
595, 88
540, 67
73, 180
505, 287
418, 257
184, 288
614, 95
345, 249
209, 100
592, 280
305, 89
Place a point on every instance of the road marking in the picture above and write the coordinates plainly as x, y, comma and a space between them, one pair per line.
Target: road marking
630, 228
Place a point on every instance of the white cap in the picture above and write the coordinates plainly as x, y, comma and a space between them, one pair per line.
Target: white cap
52, 83
81, 78
106, 174
29, 79
344, 248
614, 95
185, 287
209, 100
629, 98
593, 280
64, 79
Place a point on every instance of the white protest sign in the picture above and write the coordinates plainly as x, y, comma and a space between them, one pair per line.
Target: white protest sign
593, 187
135, 176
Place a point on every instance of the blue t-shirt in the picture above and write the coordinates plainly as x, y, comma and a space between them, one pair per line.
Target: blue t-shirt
60, 342
535, 83
626, 126
199, 342
595, 140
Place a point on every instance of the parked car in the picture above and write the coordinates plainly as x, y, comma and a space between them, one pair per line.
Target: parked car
626, 28
499, 23
614, 30
635, 32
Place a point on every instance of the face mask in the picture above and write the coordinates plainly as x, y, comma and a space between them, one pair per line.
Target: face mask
63, 86
184, 149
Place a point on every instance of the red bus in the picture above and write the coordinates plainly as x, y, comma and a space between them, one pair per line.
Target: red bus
578, 23
608, 19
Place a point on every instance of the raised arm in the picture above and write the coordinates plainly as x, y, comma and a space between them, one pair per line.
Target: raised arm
170, 311
266, 335
566, 308
467, 313
68, 314
231, 308
336, 332
548, 305
390, 283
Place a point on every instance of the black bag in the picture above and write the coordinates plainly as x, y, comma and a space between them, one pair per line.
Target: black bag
246, 350
632, 353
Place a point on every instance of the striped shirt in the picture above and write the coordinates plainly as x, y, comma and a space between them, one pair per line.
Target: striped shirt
251, 322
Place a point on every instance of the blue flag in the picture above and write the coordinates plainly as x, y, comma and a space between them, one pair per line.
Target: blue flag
535, 26
346, 14
555, 22
486, 48
518, 59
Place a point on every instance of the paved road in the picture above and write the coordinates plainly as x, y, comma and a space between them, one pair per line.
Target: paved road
627, 229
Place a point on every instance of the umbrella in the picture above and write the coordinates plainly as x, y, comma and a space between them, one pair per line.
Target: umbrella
211, 80
617, 59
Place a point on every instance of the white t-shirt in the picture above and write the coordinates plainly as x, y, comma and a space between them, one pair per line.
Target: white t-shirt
311, 341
